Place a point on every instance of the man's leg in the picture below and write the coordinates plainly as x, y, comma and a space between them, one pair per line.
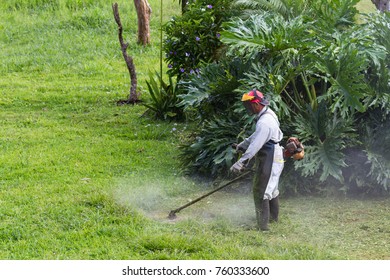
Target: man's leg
264, 160
265, 215
274, 209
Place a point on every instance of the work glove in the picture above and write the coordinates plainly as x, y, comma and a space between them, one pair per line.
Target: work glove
237, 167
238, 148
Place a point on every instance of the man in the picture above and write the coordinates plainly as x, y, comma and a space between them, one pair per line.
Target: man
263, 144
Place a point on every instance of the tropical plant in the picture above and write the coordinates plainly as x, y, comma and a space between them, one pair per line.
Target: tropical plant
164, 98
286, 8
340, 65
212, 91
209, 94
325, 135
379, 74
194, 37
321, 71
277, 50
375, 131
336, 13
210, 151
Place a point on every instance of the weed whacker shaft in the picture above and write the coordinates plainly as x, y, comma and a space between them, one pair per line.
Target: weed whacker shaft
172, 214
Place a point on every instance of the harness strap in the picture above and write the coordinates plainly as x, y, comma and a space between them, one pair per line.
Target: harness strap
265, 112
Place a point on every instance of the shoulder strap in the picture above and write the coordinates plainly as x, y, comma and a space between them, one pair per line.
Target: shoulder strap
266, 109
269, 113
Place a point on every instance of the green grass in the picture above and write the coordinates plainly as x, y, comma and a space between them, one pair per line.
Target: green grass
83, 178
366, 6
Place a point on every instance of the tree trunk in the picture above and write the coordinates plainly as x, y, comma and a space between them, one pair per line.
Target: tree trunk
133, 97
143, 12
183, 5
382, 5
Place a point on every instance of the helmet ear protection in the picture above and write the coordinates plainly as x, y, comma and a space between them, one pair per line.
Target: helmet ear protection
258, 98
255, 94
261, 98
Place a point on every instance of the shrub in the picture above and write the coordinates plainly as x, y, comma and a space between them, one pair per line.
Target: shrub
210, 151
212, 92
164, 99
212, 96
193, 37
368, 165
322, 77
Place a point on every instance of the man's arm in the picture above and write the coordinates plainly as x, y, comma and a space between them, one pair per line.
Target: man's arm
261, 136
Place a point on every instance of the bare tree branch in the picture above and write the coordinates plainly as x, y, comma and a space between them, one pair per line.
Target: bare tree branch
133, 97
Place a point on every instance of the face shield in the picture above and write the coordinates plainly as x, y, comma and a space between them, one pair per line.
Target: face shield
249, 106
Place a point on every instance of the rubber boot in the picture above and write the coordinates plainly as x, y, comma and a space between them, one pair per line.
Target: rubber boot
265, 211
274, 209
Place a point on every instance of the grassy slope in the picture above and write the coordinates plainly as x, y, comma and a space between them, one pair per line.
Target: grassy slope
82, 178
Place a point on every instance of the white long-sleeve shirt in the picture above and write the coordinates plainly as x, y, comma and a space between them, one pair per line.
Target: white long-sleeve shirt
267, 128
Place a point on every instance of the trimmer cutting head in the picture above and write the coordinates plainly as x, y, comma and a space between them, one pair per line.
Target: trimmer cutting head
172, 215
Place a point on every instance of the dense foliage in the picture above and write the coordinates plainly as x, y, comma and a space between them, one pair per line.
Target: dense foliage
164, 98
325, 74
194, 37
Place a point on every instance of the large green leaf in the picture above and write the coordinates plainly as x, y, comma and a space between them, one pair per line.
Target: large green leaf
325, 136
342, 64
286, 8
265, 33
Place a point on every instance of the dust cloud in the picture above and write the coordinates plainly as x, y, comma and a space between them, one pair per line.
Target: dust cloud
156, 198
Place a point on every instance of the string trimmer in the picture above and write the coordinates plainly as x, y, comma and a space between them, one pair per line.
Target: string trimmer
172, 214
